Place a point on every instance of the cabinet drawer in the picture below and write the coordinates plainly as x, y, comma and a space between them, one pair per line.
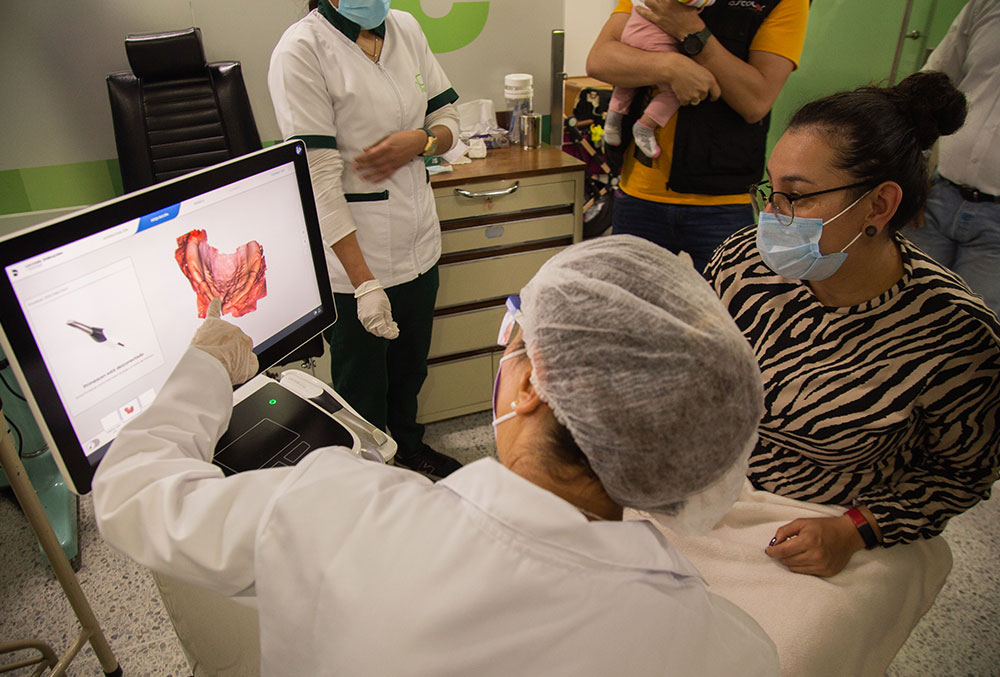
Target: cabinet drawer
493, 277
462, 332
507, 233
529, 195
456, 388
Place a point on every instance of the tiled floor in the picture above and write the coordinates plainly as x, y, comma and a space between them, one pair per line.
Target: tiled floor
959, 636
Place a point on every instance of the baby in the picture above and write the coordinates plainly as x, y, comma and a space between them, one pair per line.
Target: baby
644, 34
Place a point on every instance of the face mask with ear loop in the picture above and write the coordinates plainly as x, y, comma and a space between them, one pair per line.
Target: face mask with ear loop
792, 251
496, 385
504, 337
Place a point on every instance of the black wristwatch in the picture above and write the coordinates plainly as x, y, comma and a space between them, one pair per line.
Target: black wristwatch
695, 42
432, 143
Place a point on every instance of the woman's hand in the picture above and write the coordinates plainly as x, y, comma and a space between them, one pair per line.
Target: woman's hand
227, 343
821, 546
381, 160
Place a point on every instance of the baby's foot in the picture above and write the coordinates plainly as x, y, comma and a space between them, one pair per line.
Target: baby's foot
613, 129
645, 139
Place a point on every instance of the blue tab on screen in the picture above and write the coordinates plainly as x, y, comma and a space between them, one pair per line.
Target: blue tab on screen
158, 217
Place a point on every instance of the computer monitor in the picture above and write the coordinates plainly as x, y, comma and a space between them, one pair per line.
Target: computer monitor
98, 306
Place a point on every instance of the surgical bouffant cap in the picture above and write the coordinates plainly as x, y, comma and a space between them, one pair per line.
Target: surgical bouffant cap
637, 357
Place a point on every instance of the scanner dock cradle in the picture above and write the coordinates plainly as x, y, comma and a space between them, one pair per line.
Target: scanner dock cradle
276, 423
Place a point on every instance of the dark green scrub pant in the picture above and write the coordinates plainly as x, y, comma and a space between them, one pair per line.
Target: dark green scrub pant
379, 377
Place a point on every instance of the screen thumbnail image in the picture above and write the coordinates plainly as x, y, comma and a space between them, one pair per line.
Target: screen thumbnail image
95, 335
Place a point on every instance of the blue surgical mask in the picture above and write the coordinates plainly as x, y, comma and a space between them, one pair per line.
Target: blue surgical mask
792, 251
366, 13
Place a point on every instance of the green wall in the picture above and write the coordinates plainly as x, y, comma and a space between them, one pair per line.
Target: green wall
55, 186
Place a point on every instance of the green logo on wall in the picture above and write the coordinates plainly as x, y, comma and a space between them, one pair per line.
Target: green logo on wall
454, 30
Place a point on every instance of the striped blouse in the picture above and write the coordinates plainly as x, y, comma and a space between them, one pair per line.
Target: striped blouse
892, 404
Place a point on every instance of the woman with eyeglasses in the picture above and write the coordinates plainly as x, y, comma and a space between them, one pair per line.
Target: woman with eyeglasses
882, 385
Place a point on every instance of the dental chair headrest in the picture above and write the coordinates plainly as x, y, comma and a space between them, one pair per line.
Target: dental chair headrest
173, 54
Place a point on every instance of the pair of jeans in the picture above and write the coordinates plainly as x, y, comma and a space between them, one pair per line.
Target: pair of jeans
694, 229
380, 377
964, 237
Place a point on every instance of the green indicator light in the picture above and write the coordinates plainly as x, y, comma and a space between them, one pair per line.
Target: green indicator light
272, 401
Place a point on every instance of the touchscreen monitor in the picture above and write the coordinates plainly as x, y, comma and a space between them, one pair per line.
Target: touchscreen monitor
99, 305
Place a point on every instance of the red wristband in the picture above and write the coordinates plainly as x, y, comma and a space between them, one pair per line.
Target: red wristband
864, 528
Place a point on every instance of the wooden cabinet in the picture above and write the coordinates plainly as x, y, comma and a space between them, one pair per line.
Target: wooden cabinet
501, 219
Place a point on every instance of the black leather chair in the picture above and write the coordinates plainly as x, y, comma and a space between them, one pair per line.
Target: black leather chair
174, 113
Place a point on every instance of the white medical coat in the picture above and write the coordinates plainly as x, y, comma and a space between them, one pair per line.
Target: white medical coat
328, 93
364, 569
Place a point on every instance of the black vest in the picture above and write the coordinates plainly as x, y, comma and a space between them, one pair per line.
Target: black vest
716, 152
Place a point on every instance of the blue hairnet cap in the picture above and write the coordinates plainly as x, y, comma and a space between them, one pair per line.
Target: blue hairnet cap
634, 353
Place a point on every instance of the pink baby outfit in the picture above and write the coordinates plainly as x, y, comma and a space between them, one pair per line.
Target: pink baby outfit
646, 35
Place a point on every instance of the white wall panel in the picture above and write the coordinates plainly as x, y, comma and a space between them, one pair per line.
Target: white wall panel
584, 20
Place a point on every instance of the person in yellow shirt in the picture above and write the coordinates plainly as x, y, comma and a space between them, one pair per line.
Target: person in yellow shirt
734, 59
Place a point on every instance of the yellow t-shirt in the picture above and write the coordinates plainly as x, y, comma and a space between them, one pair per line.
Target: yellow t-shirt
783, 33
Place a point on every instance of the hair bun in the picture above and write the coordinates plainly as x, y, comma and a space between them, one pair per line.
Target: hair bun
932, 104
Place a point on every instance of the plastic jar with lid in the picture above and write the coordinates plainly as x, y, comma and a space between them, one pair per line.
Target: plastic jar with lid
519, 98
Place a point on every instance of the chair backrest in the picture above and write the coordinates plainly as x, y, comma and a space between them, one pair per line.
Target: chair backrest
174, 113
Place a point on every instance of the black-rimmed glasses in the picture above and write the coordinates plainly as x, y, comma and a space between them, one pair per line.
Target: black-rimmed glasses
761, 194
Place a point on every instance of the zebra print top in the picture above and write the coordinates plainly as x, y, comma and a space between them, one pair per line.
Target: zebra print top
892, 404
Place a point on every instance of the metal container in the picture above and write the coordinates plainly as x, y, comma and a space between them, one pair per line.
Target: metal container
531, 131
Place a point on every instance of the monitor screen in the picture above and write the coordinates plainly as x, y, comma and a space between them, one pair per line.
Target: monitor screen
99, 305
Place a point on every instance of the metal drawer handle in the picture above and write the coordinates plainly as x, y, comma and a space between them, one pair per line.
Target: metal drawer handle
487, 193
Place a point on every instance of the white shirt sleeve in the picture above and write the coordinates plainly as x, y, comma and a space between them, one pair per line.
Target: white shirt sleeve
302, 102
326, 166
949, 56
441, 96
158, 498
447, 116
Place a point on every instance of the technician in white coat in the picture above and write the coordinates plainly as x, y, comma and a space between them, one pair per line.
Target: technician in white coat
625, 383
360, 86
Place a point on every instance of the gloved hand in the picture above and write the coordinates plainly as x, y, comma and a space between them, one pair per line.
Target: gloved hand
374, 310
227, 343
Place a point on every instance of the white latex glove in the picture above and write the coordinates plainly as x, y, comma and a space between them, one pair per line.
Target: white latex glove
227, 343
374, 310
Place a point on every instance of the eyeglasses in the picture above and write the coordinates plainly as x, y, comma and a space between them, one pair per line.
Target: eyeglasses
510, 320
761, 194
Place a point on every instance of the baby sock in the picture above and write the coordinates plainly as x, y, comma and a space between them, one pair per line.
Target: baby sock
645, 139
613, 128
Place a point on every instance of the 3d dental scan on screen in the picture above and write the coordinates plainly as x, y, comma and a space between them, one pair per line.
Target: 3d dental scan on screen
99, 306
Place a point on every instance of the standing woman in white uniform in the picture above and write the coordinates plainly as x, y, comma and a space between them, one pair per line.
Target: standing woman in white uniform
360, 86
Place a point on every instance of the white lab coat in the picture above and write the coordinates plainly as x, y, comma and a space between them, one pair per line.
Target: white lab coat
364, 569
